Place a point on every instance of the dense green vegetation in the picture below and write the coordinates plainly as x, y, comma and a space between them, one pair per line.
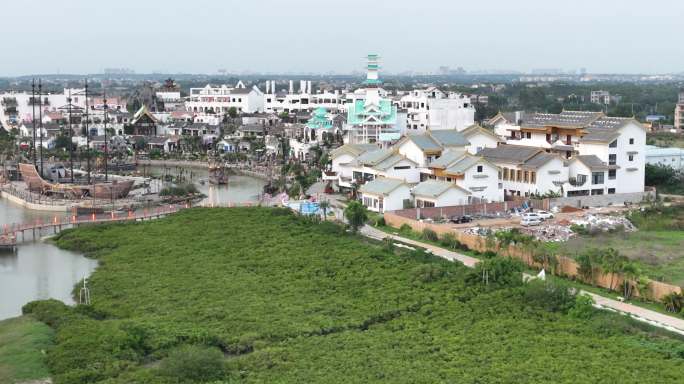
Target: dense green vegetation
665, 139
666, 179
656, 249
23, 342
289, 300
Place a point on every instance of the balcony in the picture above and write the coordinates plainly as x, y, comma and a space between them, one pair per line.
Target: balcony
578, 181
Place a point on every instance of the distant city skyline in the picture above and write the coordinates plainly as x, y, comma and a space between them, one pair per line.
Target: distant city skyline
307, 36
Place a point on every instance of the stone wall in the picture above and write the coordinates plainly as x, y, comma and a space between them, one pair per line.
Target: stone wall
566, 266
602, 200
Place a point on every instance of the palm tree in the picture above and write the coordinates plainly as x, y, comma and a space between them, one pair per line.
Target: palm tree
673, 302
324, 205
585, 267
612, 263
630, 273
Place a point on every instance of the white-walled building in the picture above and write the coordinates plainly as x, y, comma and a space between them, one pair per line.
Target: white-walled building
372, 118
304, 99
668, 157
472, 173
385, 194
679, 113
436, 193
217, 100
432, 109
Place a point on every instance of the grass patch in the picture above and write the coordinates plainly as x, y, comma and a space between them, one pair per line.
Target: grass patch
23, 342
288, 300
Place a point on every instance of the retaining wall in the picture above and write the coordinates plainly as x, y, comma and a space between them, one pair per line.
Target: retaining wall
566, 266
602, 200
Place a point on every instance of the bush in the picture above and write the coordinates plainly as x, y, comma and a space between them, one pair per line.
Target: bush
180, 190
498, 272
583, 307
429, 234
405, 229
193, 363
449, 240
51, 312
428, 273
553, 297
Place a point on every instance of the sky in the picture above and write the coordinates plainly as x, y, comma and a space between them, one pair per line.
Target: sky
322, 36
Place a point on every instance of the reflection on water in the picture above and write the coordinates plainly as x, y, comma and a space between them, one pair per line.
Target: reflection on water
39, 271
240, 189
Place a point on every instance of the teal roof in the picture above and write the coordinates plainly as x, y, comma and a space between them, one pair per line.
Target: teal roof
381, 186
434, 188
448, 158
319, 119
383, 113
449, 138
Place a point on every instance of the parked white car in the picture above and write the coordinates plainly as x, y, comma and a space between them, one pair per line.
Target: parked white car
545, 215
530, 219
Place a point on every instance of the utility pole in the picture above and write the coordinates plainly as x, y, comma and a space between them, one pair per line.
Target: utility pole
87, 133
104, 100
71, 139
40, 113
33, 119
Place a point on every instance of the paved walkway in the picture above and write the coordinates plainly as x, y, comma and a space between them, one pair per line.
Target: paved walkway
439, 251
642, 314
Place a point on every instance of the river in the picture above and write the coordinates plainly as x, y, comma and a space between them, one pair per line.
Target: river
40, 270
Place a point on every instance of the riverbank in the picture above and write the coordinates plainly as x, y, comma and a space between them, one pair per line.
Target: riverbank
23, 345
305, 298
238, 169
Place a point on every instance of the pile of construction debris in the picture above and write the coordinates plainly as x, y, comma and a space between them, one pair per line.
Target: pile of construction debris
605, 223
560, 230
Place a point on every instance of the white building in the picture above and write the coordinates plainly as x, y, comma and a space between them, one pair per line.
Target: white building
669, 157
471, 173
19, 106
303, 99
372, 118
436, 193
600, 97
432, 109
679, 113
217, 100
385, 194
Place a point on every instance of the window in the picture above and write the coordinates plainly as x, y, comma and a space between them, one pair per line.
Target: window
533, 177
403, 167
597, 192
611, 174
612, 159
613, 144
526, 176
479, 169
528, 135
611, 191
518, 176
548, 137
631, 157
631, 140
597, 178
505, 174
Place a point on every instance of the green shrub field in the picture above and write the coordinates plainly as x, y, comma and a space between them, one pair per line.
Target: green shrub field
262, 296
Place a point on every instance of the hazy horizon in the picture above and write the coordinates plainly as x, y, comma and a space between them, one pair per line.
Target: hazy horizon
307, 36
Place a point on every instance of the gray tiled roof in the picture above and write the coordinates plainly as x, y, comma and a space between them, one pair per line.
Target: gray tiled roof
568, 119
538, 160
434, 188
381, 186
449, 138
592, 162
448, 158
353, 149
389, 162
517, 154
372, 158
463, 165
424, 142
240, 91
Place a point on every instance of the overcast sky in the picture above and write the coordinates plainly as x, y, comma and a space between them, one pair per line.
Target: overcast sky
203, 36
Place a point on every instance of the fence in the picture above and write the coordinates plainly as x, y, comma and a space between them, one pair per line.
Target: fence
566, 266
